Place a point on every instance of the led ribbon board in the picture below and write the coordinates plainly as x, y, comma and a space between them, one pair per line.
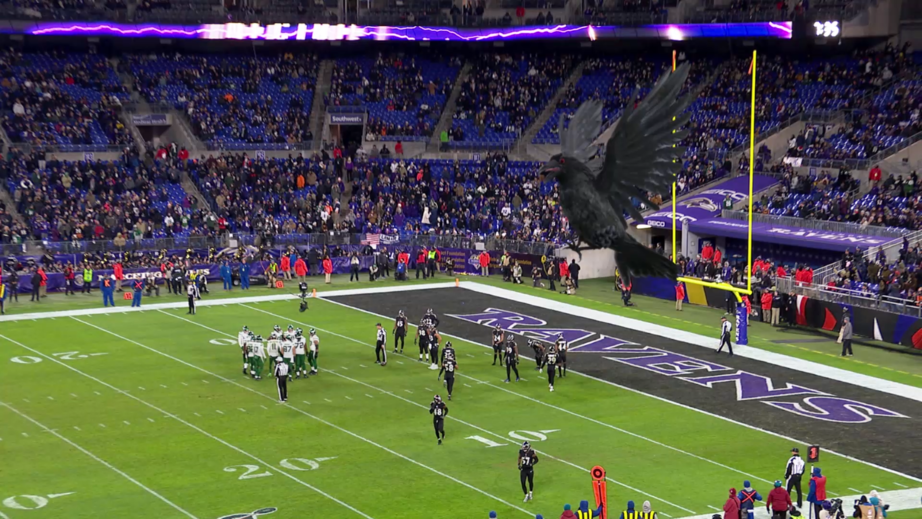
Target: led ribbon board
327, 32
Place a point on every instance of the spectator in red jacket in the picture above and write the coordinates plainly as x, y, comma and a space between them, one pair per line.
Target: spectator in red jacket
717, 256
327, 268
732, 506
119, 275
874, 175
778, 502
285, 266
766, 306
808, 275
421, 263
781, 273
43, 286
564, 269
484, 260
398, 148
679, 295
300, 269
708, 251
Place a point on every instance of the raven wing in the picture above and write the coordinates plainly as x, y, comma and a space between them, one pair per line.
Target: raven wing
586, 124
642, 153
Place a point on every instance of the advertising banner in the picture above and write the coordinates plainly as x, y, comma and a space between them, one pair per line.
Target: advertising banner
784, 235
709, 203
347, 119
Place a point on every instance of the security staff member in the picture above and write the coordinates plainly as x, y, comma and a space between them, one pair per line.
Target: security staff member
792, 474
87, 279
281, 378
192, 292
725, 328
107, 287
138, 285
430, 262
380, 346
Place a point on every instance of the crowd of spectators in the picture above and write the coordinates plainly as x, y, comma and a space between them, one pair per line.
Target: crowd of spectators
503, 94
62, 100
234, 101
131, 198
404, 95
332, 193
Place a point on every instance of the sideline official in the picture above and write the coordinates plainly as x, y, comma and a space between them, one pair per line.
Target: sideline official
793, 473
725, 330
381, 346
281, 378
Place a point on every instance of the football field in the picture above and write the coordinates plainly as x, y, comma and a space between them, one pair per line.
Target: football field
147, 414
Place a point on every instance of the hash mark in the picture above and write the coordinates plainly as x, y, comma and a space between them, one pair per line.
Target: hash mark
328, 400
185, 384
362, 366
77, 428
196, 414
151, 420
161, 385
428, 389
26, 400
141, 388
306, 402
469, 355
264, 407
467, 385
714, 508
205, 381
219, 411
347, 398
73, 395
25, 434
126, 422
399, 362
855, 490
345, 368
899, 485
369, 396
408, 391
242, 410
50, 398
102, 425
98, 393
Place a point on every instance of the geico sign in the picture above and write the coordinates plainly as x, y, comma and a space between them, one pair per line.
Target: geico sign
656, 223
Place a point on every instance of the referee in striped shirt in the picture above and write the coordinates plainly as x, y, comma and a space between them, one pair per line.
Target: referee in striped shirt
281, 378
381, 346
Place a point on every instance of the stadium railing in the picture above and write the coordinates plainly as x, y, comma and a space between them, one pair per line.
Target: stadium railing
891, 249
866, 163
850, 297
819, 225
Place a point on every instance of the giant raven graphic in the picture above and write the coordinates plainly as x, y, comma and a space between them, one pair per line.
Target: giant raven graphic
641, 157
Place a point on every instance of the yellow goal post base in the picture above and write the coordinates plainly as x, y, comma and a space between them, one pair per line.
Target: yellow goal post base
721, 286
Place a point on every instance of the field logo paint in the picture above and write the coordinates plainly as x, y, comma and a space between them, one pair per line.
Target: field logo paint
750, 386
515, 322
252, 515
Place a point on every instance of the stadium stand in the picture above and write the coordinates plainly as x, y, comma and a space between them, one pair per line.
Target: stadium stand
235, 102
83, 200
404, 95
69, 102
503, 94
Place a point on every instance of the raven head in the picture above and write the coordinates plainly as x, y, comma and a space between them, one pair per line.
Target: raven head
553, 168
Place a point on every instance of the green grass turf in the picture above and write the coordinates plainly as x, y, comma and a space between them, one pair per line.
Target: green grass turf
598, 294
168, 406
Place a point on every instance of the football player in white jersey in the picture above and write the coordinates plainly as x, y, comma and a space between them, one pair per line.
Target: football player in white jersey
257, 356
288, 353
314, 351
273, 347
300, 354
243, 337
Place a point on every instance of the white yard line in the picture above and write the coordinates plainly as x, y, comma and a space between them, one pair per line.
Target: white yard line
100, 461
561, 409
626, 388
180, 420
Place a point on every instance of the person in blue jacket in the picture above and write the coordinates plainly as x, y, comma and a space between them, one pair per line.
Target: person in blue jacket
245, 275
584, 512
226, 276
138, 286
748, 498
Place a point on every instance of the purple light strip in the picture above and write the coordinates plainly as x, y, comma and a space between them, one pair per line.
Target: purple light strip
119, 30
786, 27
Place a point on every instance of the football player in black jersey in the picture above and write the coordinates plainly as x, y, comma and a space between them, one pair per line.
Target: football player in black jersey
511, 357
429, 318
400, 330
498, 337
434, 340
422, 339
561, 346
449, 365
550, 360
528, 458
538, 348
447, 352
439, 411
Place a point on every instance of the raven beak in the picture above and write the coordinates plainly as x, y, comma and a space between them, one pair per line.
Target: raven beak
549, 171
